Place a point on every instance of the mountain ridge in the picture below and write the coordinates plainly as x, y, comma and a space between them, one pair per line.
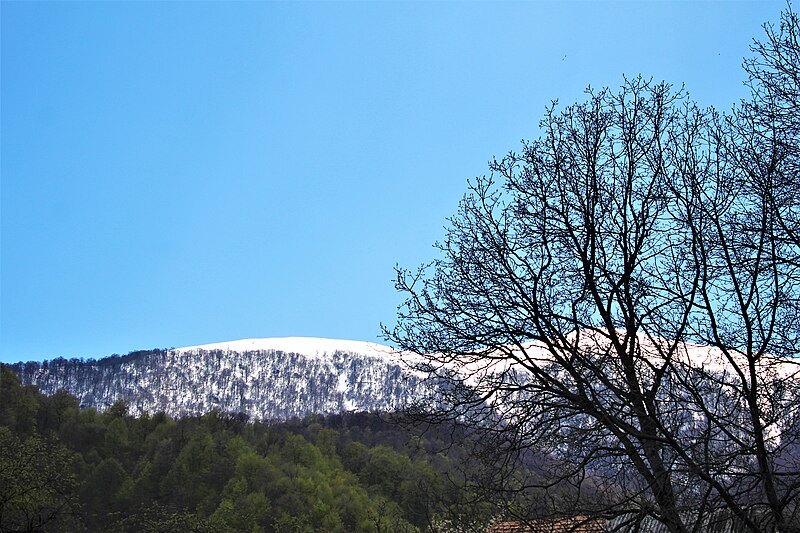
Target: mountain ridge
268, 378
285, 377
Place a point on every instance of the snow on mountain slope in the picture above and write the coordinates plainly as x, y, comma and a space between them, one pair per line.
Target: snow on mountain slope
279, 378
308, 346
263, 378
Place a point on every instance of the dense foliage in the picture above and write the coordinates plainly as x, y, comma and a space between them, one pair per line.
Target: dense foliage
63, 468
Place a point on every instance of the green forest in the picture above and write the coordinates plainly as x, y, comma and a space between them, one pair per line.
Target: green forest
63, 468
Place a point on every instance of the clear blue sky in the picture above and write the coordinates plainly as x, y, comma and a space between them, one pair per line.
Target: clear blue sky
183, 173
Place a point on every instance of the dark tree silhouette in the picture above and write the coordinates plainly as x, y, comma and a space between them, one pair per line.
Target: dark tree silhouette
623, 295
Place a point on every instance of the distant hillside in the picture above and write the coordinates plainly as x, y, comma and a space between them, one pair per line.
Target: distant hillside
263, 378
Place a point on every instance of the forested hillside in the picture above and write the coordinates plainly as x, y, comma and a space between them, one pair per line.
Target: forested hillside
63, 468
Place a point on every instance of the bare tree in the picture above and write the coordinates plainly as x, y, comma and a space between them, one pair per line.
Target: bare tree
621, 296
766, 128
750, 251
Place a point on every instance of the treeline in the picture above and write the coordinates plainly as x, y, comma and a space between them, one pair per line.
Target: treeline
64, 469
112, 359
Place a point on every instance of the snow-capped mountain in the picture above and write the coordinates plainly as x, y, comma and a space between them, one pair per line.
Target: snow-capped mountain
280, 378
276, 378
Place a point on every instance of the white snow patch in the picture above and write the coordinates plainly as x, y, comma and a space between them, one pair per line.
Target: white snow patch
341, 385
308, 346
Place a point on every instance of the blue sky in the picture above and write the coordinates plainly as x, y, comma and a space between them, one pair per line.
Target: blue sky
183, 173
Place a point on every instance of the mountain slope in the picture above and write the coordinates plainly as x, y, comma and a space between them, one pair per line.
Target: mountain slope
264, 378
